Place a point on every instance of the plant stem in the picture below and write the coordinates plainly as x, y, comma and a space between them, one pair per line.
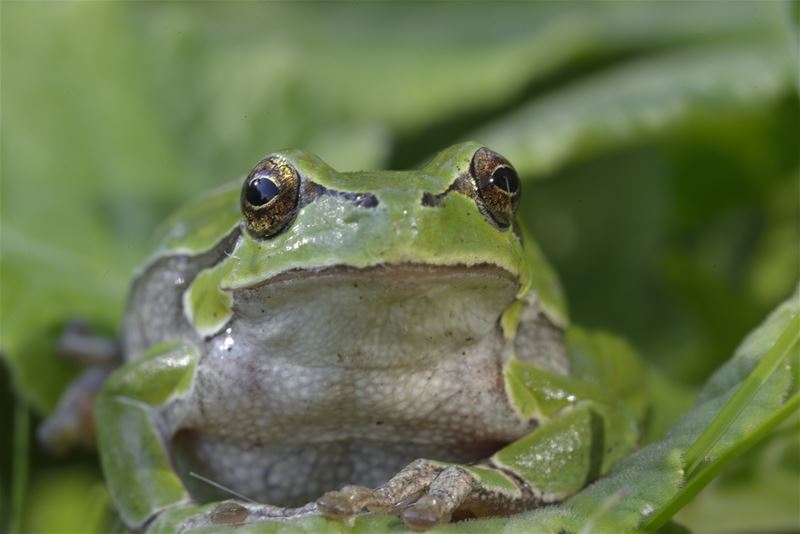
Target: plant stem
696, 454
19, 469
707, 473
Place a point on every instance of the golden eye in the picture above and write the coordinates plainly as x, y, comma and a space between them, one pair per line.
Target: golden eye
270, 196
498, 186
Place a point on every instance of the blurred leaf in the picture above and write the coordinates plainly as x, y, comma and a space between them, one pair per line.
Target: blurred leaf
776, 264
20, 467
283, 76
623, 105
84, 172
68, 500
115, 113
668, 400
681, 243
607, 360
792, 23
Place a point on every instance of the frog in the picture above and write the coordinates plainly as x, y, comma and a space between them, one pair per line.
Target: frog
306, 342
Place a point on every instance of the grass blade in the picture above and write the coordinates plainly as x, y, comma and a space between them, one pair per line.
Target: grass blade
710, 470
696, 454
19, 469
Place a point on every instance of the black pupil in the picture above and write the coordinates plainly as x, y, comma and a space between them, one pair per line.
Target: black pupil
260, 191
506, 179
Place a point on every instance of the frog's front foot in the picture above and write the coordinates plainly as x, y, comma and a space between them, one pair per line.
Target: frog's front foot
424, 494
425, 513
72, 422
350, 500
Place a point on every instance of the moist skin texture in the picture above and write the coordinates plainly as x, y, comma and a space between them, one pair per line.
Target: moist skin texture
343, 376
376, 329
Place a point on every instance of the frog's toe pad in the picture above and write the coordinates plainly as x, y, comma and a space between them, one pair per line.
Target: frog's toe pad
347, 501
427, 512
228, 513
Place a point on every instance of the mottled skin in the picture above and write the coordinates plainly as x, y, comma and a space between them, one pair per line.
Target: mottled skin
395, 316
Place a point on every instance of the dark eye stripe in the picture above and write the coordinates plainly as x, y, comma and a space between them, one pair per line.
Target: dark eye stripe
274, 192
312, 191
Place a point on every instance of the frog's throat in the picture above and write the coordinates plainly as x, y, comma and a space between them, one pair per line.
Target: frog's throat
391, 316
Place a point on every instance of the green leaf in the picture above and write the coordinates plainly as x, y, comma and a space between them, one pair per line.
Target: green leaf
703, 474
68, 499
87, 151
641, 99
114, 114
776, 356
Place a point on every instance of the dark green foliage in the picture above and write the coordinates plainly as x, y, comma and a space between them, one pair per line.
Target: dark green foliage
657, 143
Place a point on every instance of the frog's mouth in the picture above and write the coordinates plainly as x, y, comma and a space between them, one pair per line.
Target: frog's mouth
416, 271
375, 317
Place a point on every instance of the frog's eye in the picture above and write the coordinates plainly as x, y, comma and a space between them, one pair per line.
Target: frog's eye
269, 197
497, 184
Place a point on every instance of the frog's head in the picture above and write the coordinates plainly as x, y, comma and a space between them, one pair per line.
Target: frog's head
424, 257
456, 213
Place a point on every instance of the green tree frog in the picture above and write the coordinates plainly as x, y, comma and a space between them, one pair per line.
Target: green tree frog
340, 343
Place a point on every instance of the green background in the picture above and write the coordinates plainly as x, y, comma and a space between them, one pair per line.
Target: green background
658, 141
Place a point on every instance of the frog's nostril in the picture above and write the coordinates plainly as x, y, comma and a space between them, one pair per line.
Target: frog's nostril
362, 200
430, 200
368, 201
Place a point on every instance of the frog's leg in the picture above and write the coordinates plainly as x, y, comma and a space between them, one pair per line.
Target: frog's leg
72, 422
403, 489
580, 437
131, 431
81, 343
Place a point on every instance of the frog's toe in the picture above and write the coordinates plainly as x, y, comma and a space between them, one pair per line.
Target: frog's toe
228, 513
448, 491
427, 512
347, 501
72, 422
82, 344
